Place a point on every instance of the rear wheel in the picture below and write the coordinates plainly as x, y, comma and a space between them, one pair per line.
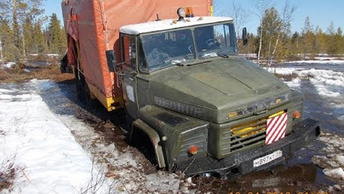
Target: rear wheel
83, 93
87, 96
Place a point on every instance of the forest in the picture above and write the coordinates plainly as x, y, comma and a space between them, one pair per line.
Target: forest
275, 41
25, 31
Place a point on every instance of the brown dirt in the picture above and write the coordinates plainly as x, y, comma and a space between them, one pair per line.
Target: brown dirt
289, 77
111, 133
18, 73
102, 125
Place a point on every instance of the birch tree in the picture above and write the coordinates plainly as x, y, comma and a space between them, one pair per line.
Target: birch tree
271, 30
287, 14
261, 7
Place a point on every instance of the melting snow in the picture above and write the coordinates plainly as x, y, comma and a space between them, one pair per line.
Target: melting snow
318, 61
8, 65
59, 153
333, 162
337, 173
41, 145
325, 81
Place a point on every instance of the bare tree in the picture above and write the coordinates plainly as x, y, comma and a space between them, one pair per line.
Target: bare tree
240, 15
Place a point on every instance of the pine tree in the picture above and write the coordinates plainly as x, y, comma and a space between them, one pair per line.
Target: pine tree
16, 11
295, 45
331, 41
339, 42
56, 39
320, 41
39, 42
6, 35
308, 39
27, 35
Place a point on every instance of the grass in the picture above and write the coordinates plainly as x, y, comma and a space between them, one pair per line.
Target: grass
24, 72
8, 172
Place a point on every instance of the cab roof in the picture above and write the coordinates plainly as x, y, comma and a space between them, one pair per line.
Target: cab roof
136, 29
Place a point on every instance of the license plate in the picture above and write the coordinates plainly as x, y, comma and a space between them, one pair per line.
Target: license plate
266, 159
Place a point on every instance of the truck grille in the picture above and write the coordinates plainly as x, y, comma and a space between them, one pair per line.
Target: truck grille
243, 135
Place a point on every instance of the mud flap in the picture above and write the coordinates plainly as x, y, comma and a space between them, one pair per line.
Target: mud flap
155, 139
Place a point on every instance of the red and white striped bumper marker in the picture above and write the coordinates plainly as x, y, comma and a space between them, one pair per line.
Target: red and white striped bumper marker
276, 128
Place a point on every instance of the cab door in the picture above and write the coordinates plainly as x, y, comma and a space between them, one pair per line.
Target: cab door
129, 73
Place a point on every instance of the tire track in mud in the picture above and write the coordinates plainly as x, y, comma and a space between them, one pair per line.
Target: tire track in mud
126, 169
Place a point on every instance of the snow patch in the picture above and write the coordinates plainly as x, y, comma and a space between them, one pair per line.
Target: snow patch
44, 147
337, 173
333, 162
282, 70
42, 84
340, 160
295, 83
8, 65
324, 80
319, 60
52, 55
341, 118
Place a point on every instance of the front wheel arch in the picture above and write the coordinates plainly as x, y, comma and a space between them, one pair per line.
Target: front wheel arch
154, 138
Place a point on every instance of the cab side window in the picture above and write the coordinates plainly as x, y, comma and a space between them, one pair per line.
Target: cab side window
129, 51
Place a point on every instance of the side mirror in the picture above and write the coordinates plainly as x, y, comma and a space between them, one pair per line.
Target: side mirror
111, 60
244, 36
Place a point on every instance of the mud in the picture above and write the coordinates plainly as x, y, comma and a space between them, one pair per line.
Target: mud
300, 174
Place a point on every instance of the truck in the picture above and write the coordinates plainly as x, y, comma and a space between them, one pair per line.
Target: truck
197, 105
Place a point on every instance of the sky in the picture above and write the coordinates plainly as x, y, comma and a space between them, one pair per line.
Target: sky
320, 12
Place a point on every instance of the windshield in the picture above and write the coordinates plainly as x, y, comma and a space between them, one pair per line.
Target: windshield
168, 48
216, 40
161, 50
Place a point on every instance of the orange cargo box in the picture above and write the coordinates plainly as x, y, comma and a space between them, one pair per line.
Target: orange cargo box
92, 27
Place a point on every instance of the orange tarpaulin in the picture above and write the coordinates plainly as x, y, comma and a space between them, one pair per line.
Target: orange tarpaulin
95, 24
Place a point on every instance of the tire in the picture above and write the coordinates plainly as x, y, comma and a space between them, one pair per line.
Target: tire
78, 88
87, 100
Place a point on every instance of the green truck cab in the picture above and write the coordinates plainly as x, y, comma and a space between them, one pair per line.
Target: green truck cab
202, 107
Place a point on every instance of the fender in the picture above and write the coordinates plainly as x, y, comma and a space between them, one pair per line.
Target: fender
155, 139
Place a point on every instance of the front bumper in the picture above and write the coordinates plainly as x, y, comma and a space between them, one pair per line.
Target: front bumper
242, 162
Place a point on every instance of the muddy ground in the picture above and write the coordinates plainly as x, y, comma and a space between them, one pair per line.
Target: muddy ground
300, 175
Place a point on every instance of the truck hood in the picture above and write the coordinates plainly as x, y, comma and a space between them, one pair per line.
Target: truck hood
214, 89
